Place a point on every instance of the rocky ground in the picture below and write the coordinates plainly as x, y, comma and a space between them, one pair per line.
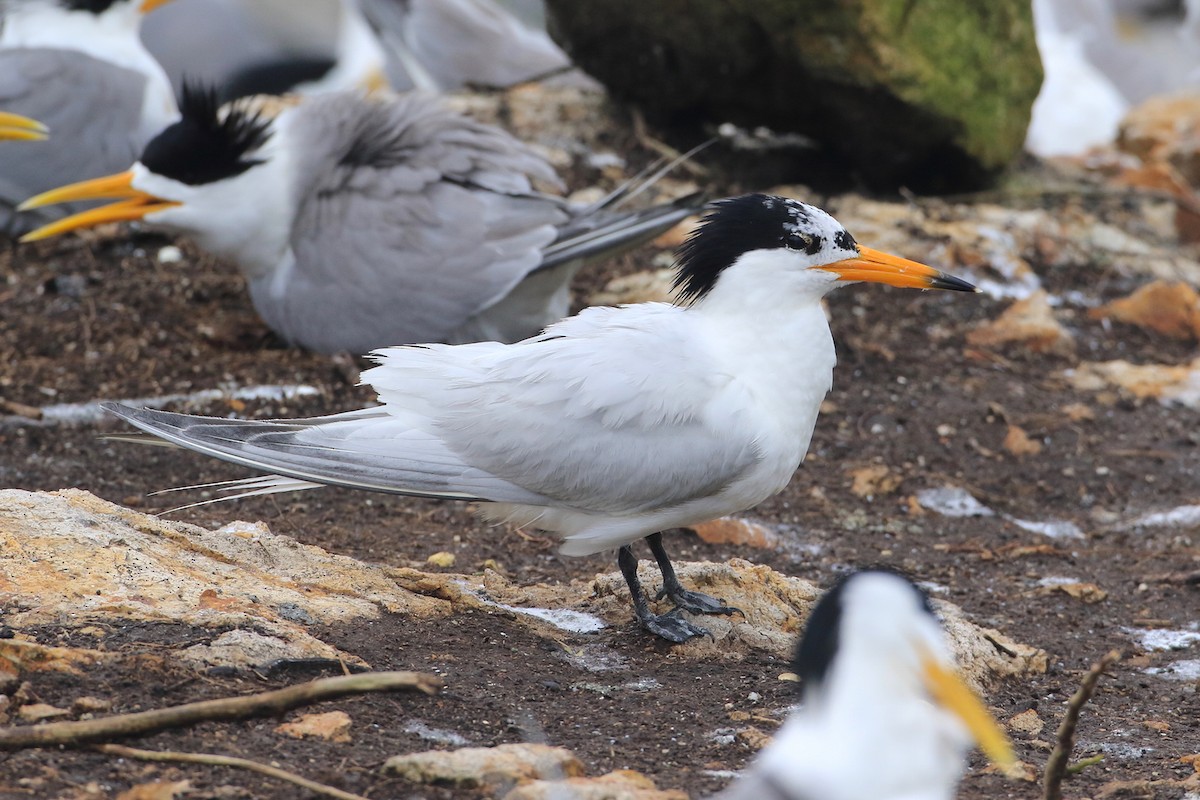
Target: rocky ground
1030, 453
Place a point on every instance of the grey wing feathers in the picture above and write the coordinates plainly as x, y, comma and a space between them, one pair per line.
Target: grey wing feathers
604, 233
325, 451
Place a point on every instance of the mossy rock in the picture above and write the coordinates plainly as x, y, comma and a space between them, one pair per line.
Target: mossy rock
899, 88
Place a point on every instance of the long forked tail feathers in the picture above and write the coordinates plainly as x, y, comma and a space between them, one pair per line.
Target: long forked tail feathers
302, 454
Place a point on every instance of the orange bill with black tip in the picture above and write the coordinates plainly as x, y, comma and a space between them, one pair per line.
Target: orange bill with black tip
876, 267
15, 126
133, 204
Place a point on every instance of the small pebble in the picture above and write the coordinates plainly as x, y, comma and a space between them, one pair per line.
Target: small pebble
170, 255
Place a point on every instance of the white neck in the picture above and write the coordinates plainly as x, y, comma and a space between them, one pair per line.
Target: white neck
111, 37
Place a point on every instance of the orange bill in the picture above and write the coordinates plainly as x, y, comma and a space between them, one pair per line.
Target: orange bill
876, 267
149, 5
15, 126
948, 691
133, 204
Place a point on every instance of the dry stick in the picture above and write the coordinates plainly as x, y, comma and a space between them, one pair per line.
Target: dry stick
1056, 765
225, 708
226, 761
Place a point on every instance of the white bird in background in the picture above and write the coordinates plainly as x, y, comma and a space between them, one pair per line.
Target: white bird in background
615, 424
78, 67
362, 222
275, 46
15, 127
884, 715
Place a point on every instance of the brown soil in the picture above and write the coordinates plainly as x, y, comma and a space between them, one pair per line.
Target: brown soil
101, 318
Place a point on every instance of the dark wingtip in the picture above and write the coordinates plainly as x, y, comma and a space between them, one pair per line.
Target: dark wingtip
952, 284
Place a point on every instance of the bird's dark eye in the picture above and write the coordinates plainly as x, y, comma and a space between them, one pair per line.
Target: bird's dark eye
803, 241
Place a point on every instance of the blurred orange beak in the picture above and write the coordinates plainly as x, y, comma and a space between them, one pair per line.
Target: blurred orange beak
15, 126
876, 267
134, 204
149, 5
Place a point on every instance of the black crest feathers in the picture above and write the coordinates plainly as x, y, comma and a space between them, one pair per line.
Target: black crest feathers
90, 6
204, 146
819, 645
741, 224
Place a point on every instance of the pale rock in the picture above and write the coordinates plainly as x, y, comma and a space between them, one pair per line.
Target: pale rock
71, 555
332, 726
1170, 309
1166, 128
39, 712
1029, 323
157, 790
622, 784
494, 769
1019, 443
731, 530
1167, 383
1027, 722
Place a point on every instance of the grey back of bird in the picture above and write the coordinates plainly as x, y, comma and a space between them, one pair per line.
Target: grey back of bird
93, 110
413, 223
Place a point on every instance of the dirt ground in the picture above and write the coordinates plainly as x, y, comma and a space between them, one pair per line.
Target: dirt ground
106, 318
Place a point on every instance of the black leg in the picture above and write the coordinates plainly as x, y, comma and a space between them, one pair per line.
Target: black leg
669, 626
694, 602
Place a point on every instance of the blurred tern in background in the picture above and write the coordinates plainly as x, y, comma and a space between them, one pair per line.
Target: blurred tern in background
884, 714
617, 423
79, 68
248, 47
362, 222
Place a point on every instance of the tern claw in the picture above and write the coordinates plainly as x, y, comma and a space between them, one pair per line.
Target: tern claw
672, 627
698, 602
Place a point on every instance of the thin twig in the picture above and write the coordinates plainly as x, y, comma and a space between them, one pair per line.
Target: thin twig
225, 708
1056, 765
213, 760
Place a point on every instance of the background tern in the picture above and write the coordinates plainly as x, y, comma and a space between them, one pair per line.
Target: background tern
78, 67
615, 424
362, 222
884, 714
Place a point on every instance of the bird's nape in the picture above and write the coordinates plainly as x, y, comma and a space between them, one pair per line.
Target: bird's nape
132, 204
21, 128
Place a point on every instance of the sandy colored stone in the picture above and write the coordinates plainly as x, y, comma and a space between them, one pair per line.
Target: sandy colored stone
71, 555
622, 784
678, 234
1087, 592
1165, 128
1027, 722
1168, 308
1019, 443
441, 560
731, 530
332, 726
1028, 323
648, 286
494, 769
874, 479
37, 712
158, 790
1168, 383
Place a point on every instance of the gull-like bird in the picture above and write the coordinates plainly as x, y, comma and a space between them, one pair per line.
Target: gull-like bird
367, 221
15, 127
615, 424
884, 715
78, 67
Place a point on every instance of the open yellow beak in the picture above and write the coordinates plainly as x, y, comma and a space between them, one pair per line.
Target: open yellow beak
949, 691
134, 204
149, 5
15, 126
876, 267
